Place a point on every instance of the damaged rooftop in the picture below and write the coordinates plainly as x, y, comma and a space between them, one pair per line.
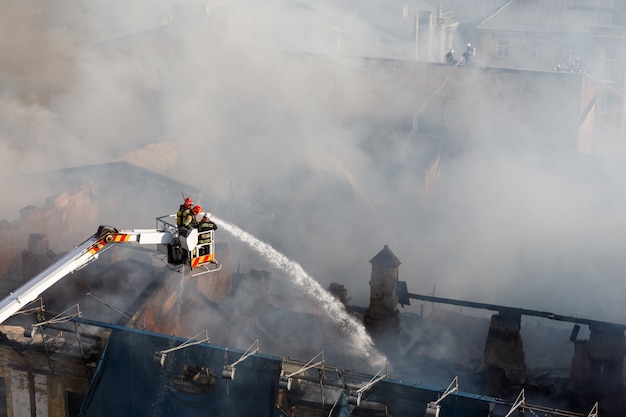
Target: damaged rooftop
389, 223
132, 327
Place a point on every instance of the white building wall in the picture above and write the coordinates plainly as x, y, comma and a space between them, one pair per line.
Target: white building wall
20, 397
41, 395
20, 394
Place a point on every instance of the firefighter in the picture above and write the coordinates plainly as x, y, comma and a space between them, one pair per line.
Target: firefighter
189, 220
575, 66
205, 225
468, 54
450, 57
183, 211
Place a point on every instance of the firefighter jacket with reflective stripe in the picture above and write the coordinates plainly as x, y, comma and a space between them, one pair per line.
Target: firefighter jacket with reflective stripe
205, 226
182, 213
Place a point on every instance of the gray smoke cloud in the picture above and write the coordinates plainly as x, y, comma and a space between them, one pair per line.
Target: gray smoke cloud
295, 141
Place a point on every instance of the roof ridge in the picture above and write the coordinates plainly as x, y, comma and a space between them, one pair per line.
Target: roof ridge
495, 13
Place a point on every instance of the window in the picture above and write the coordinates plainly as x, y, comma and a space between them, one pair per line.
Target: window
73, 402
610, 56
503, 47
3, 398
536, 50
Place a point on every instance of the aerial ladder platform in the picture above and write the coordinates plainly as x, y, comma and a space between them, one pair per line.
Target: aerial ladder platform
179, 244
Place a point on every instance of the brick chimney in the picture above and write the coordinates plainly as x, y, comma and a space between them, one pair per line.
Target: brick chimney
381, 318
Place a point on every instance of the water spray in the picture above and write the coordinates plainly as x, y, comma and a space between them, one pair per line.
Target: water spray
333, 308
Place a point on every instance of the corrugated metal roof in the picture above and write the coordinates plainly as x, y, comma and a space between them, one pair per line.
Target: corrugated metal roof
551, 15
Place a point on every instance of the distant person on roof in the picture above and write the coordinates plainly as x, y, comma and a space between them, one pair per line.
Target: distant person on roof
450, 57
468, 55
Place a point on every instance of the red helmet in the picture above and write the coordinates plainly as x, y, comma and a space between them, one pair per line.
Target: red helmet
197, 209
188, 202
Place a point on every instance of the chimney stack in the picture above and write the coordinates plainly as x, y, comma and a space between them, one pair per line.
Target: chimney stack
381, 318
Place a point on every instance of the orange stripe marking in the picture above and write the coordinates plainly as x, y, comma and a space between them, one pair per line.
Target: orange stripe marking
200, 260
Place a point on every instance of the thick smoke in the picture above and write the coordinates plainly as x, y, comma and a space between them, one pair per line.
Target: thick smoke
307, 148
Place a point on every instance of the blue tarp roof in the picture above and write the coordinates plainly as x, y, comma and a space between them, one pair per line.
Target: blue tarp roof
129, 382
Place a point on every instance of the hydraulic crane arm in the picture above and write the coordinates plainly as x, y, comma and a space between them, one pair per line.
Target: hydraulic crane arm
76, 259
72, 261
